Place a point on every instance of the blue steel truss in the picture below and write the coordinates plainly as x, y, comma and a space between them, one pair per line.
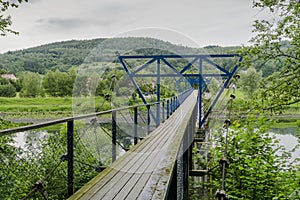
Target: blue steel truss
199, 79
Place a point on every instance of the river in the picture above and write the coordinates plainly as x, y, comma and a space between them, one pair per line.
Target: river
287, 138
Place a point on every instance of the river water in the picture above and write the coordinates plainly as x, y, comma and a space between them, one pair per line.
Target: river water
287, 138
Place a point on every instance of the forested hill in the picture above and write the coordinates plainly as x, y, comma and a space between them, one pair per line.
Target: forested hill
67, 54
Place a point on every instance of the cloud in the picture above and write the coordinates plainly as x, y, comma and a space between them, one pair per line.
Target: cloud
216, 21
61, 23
33, 1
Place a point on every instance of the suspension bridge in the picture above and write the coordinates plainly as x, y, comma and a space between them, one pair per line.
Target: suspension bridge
154, 159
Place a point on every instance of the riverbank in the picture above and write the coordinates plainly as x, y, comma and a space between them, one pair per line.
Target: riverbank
39, 109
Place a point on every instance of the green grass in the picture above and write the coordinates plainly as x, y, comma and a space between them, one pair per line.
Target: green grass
285, 125
39, 104
47, 107
59, 107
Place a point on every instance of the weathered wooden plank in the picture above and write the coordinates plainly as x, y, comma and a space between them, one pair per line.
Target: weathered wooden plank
137, 167
145, 170
139, 179
161, 179
95, 185
92, 187
145, 163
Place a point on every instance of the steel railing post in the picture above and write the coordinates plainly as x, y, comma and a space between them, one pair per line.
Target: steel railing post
114, 135
168, 109
171, 106
163, 112
135, 125
70, 138
148, 119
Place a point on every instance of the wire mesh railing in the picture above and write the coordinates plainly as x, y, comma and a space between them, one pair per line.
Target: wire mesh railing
53, 159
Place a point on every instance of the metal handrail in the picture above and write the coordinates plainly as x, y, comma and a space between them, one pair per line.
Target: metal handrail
67, 119
172, 104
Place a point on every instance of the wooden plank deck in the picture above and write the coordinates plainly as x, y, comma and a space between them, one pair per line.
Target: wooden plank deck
144, 172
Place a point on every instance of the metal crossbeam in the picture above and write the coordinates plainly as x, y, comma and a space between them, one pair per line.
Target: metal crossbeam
199, 79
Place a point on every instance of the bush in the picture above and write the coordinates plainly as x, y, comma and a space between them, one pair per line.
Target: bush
7, 90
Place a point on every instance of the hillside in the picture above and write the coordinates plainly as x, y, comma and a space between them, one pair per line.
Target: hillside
67, 54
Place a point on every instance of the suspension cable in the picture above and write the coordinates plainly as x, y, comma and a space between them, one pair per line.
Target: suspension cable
224, 163
107, 97
105, 131
39, 185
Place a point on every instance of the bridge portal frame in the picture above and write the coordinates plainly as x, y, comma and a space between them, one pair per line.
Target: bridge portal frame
200, 79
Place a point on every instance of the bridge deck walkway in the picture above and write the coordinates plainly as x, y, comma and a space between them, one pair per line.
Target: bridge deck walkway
145, 171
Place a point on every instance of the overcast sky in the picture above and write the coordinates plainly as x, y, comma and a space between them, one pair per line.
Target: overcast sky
204, 22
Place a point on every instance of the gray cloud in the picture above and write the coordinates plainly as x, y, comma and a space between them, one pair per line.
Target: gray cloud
33, 1
61, 23
222, 22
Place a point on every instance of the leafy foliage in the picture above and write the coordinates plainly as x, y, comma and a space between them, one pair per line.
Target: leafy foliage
59, 83
259, 168
249, 82
56, 56
5, 21
65, 55
41, 162
7, 88
277, 42
31, 84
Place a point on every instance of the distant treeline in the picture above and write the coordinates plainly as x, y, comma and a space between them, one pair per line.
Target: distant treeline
63, 84
51, 69
64, 55
56, 84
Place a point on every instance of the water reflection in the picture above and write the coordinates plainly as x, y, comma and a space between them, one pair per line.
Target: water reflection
287, 138
31, 138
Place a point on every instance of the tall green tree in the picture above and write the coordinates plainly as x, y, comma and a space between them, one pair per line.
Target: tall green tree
31, 84
250, 80
50, 83
65, 84
59, 83
277, 40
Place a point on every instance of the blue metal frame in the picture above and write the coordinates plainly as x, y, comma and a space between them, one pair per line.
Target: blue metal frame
200, 79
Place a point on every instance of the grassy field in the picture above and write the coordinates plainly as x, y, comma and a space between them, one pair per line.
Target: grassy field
41, 107
59, 107
287, 124
39, 104
292, 110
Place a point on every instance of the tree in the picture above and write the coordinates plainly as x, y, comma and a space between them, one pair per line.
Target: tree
65, 84
250, 80
277, 40
4, 81
31, 84
7, 87
102, 88
258, 167
43, 160
59, 83
50, 83
7, 90
5, 21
